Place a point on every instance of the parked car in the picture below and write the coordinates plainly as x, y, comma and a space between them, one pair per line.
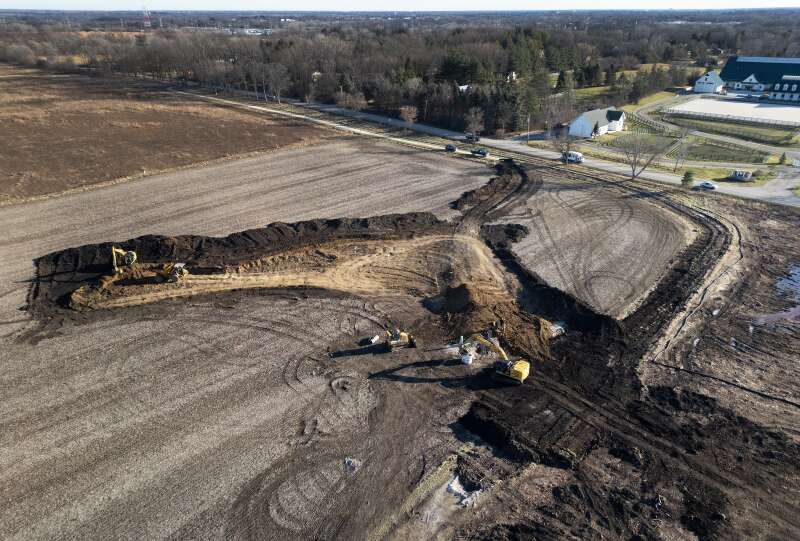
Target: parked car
450, 148
572, 157
472, 138
479, 152
705, 185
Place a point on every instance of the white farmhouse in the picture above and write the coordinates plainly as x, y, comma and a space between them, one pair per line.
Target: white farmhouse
597, 122
710, 83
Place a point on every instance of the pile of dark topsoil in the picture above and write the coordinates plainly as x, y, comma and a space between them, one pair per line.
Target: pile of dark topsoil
60, 273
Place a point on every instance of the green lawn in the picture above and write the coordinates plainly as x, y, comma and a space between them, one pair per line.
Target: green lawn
706, 150
586, 95
647, 100
769, 135
720, 175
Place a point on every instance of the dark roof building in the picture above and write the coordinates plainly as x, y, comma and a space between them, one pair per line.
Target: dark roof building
766, 70
778, 76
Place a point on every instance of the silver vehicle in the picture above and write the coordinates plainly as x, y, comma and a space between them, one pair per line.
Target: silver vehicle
705, 185
572, 157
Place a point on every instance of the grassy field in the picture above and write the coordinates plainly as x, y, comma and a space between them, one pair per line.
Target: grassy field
648, 100
769, 135
584, 96
705, 150
720, 175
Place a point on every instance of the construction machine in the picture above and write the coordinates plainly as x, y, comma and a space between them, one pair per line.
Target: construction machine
516, 370
399, 339
172, 272
121, 257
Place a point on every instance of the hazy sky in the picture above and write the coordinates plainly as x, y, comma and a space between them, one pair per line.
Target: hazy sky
387, 5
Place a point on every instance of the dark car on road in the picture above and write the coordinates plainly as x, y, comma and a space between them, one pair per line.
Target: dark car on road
450, 148
479, 152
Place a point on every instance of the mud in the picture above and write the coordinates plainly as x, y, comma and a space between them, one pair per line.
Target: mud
633, 461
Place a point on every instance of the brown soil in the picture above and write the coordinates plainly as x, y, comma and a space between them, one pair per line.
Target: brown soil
596, 444
66, 132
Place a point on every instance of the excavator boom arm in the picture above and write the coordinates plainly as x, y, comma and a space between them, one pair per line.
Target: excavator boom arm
489, 344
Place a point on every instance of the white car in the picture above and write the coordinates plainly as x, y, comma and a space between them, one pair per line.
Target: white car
572, 157
705, 185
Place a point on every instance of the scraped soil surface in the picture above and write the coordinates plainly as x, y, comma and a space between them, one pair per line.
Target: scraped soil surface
253, 412
62, 132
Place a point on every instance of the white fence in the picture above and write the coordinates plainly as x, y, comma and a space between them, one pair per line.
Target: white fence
731, 118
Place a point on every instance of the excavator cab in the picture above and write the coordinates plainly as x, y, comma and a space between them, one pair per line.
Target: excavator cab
172, 272
516, 371
121, 257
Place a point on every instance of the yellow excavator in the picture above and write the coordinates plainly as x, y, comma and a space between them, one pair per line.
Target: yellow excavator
172, 272
516, 370
121, 257
399, 339
168, 272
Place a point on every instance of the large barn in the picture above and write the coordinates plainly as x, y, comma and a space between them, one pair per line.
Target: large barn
597, 122
780, 77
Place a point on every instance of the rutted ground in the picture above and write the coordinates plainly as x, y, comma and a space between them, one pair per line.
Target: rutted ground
602, 245
241, 426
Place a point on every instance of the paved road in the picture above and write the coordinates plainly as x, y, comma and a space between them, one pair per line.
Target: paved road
777, 191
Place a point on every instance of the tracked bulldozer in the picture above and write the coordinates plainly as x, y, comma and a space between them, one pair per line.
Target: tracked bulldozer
399, 339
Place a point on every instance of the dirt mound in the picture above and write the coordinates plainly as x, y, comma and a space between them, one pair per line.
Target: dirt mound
60, 273
467, 309
499, 184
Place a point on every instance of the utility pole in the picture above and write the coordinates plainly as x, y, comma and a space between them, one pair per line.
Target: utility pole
528, 131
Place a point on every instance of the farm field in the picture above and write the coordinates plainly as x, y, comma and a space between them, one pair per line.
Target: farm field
247, 401
102, 130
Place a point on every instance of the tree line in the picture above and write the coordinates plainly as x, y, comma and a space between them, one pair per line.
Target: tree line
477, 75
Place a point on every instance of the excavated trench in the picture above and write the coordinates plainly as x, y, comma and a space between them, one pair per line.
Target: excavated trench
584, 394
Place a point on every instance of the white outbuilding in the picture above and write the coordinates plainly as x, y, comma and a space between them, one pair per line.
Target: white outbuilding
710, 83
597, 122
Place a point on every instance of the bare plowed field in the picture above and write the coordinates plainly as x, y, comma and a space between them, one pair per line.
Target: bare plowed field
599, 244
62, 132
247, 401
343, 178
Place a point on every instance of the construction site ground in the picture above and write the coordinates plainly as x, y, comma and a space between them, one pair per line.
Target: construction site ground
239, 403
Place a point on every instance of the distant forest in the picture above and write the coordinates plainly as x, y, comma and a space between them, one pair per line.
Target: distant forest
491, 72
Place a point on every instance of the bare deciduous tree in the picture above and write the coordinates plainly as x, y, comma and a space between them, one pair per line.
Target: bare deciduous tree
562, 142
277, 77
408, 113
684, 145
474, 120
638, 151
354, 101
